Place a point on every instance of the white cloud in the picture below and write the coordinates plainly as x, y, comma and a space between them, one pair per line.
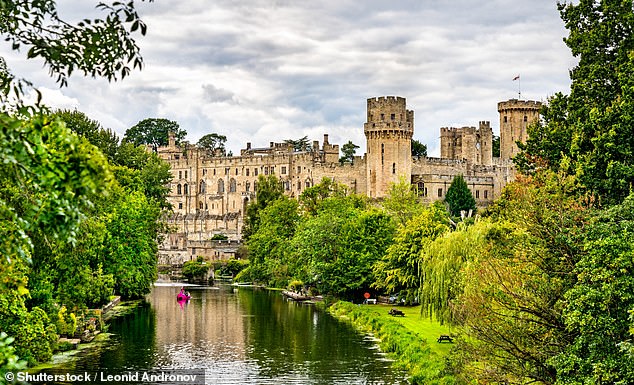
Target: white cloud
262, 70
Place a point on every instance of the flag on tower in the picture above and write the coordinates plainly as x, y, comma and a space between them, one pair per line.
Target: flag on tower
516, 77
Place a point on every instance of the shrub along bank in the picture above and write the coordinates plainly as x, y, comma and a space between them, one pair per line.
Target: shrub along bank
410, 340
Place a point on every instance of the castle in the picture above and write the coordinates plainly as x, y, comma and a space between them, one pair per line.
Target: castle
209, 193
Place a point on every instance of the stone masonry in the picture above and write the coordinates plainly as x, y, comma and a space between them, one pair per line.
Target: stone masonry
209, 193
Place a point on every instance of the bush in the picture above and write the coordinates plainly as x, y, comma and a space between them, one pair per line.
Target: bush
195, 269
66, 322
219, 237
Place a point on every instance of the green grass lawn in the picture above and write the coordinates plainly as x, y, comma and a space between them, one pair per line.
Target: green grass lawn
411, 340
423, 327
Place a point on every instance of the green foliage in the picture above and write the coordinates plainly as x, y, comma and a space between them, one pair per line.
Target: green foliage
230, 267
419, 150
512, 287
55, 173
197, 269
219, 237
348, 150
153, 132
495, 146
104, 139
212, 143
411, 352
9, 361
66, 323
300, 144
402, 202
587, 134
459, 197
130, 248
312, 198
97, 47
269, 188
277, 225
398, 271
598, 307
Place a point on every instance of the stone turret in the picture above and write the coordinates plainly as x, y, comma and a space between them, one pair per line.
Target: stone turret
388, 132
515, 116
475, 145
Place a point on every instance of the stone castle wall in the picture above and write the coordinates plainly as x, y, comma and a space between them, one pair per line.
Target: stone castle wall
209, 194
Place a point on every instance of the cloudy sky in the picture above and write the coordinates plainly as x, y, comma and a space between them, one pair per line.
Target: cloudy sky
268, 70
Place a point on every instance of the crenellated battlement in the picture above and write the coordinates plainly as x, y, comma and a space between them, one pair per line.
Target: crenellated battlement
210, 192
515, 103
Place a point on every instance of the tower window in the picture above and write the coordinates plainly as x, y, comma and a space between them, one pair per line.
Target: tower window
393, 168
505, 119
393, 117
525, 118
382, 116
439, 193
477, 194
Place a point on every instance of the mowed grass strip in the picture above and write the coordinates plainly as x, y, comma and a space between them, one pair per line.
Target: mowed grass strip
410, 339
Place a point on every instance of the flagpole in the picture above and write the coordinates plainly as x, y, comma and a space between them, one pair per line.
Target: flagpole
519, 88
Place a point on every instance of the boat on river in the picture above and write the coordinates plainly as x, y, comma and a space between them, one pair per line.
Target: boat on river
181, 297
296, 296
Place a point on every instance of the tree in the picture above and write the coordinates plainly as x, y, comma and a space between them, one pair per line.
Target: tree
268, 244
586, 134
335, 249
459, 197
300, 144
104, 139
347, 151
212, 143
598, 308
400, 268
312, 198
269, 189
97, 47
495, 146
419, 150
518, 266
402, 202
154, 132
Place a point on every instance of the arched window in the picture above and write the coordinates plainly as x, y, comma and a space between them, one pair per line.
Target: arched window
179, 189
232, 185
203, 187
185, 189
221, 186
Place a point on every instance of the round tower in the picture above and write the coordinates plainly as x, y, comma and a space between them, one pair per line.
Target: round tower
515, 116
388, 132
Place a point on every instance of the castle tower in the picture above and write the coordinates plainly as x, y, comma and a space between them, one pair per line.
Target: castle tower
388, 132
475, 145
515, 116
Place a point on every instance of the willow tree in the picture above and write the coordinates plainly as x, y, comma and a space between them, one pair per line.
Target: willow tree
399, 271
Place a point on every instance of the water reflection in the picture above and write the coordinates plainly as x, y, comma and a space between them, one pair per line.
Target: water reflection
241, 336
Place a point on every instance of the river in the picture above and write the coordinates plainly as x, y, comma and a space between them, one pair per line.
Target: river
234, 335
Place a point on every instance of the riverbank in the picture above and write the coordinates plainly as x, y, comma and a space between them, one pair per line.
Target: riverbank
410, 340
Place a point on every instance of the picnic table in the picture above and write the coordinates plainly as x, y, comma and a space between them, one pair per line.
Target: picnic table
444, 337
394, 312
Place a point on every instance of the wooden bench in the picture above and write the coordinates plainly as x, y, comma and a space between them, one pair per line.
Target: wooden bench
444, 337
394, 312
